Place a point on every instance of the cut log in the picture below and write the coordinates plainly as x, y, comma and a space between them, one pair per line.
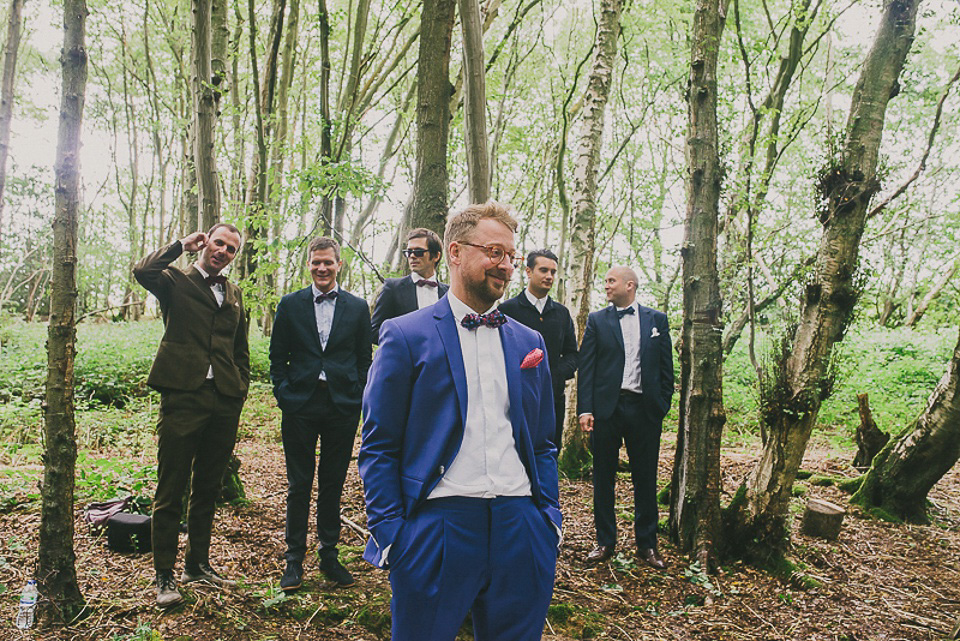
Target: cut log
823, 519
870, 440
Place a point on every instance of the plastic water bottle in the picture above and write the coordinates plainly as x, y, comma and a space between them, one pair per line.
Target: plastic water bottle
28, 605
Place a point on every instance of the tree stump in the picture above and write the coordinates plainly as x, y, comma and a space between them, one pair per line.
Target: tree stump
823, 519
870, 440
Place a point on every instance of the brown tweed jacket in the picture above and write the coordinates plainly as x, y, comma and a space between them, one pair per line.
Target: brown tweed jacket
198, 333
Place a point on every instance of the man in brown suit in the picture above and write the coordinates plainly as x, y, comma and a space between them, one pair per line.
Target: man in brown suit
202, 371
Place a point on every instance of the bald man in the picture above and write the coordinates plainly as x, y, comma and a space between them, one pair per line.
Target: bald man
624, 391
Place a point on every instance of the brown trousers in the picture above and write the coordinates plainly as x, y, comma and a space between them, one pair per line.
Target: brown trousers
197, 431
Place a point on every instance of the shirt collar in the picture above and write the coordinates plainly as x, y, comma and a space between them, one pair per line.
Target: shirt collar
634, 305
461, 309
200, 269
536, 302
317, 292
416, 278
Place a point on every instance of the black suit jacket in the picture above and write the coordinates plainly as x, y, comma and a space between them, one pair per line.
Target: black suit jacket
556, 327
296, 357
198, 333
397, 297
602, 360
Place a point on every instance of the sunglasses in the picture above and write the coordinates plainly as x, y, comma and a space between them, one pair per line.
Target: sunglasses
419, 253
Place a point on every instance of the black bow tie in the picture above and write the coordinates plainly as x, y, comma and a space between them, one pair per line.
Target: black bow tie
494, 320
427, 283
623, 312
215, 280
332, 294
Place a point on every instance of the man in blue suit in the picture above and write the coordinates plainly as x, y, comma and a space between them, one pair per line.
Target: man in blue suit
459, 472
623, 393
319, 357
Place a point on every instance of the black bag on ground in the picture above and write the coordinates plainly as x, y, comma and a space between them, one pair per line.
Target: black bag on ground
128, 533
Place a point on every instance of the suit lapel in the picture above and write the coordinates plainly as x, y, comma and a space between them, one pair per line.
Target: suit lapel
611, 314
309, 316
646, 327
339, 310
511, 360
408, 295
197, 278
447, 327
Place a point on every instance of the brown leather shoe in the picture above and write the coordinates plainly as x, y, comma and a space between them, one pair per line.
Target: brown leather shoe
651, 558
599, 554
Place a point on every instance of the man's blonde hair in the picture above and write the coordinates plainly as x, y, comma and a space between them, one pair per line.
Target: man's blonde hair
459, 226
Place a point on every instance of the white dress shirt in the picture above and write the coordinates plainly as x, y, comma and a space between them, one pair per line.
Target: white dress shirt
218, 293
426, 295
488, 464
630, 327
323, 312
539, 303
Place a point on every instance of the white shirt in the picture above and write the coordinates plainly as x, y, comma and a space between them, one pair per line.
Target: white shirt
488, 464
630, 328
426, 295
539, 303
218, 293
323, 312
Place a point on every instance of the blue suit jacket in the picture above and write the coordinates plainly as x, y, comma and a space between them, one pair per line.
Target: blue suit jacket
415, 407
296, 357
602, 360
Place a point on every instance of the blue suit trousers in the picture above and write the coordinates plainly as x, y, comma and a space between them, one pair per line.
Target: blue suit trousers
495, 558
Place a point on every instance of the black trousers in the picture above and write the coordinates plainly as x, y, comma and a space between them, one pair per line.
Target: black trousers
560, 406
319, 420
197, 431
636, 422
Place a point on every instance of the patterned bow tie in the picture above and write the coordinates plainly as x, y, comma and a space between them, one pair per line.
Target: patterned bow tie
493, 320
623, 312
215, 280
332, 294
427, 283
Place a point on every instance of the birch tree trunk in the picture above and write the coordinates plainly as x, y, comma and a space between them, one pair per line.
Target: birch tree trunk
574, 453
11, 51
695, 522
475, 109
56, 562
906, 469
791, 400
429, 202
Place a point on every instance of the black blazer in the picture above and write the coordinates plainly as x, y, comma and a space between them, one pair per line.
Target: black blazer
556, 327
296, 357
397, 297
602, 360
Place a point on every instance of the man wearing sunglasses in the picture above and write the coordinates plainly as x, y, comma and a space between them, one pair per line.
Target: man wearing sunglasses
420, 289
458, 464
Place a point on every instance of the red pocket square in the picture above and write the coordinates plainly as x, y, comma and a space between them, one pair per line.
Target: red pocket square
532, 359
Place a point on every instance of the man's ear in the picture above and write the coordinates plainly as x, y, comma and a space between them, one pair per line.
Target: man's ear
453, 252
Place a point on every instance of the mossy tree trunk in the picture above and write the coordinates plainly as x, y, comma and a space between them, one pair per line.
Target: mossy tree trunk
575, 450
791, 399
56, 563
695, 522
11, 51
428, 206
475, 103
910, 465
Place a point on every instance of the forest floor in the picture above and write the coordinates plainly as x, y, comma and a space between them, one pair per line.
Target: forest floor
877, 581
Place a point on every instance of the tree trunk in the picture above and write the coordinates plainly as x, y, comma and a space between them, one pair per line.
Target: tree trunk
475, 111
791, 400
946, 276
910, 465
429, 201
204, 116
326, 125
56, 562
695, 493
582, 238
11, 50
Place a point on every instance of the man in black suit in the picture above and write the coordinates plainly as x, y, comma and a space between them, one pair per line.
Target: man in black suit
319, 356
624, 391
420, 289
534, 308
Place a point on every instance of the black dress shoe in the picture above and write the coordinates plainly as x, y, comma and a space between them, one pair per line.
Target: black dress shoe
334, 570
651, 558
599, 554
292, 577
